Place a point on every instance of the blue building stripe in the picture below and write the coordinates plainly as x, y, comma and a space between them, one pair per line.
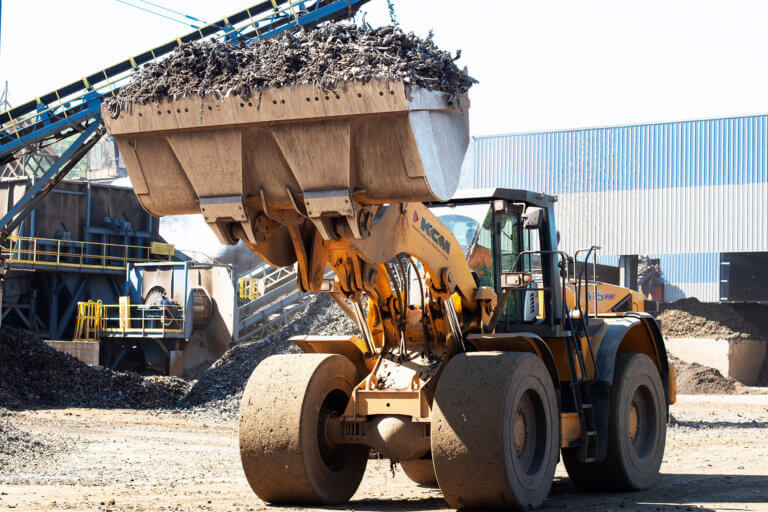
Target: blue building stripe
727, 151
690, 268
681, 268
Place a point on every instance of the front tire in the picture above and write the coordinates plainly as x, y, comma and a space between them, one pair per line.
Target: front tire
637, 429
282, 447
495, 431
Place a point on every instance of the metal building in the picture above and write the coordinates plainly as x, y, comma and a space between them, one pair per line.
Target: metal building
693, 194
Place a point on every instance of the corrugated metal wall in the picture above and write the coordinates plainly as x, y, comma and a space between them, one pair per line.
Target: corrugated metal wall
712, 152
684, 191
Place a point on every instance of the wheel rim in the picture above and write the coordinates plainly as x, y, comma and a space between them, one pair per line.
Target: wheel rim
529, 433
642, 424
335, 457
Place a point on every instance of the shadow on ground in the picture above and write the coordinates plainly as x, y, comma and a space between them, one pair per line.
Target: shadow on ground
673, 493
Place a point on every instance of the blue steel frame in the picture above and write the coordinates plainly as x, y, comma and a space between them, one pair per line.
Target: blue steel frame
60, 289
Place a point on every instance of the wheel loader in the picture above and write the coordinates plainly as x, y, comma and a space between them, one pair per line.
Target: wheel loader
477, 366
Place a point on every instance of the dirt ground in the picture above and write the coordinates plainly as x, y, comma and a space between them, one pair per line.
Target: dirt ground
128, 460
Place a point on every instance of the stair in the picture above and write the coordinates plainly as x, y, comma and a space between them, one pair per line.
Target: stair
276, 308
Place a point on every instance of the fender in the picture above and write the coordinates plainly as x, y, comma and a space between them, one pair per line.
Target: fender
628, 334
519, 342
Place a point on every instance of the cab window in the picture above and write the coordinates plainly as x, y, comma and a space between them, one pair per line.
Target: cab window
480, 252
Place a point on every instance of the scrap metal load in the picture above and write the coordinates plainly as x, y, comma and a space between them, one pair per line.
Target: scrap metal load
317, 124
325, 58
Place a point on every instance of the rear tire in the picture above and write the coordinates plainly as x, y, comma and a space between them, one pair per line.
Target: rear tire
282, 447
637, 428
421, 472
495, 431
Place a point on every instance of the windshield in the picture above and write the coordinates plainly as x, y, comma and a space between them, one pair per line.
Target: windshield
471, 225
463, 220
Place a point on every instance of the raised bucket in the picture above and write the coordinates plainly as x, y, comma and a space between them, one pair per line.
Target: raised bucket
292, 151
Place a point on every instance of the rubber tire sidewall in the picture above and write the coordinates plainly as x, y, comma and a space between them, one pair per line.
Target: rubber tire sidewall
620, 471
472, 430
632, 473
421, 472
278, 430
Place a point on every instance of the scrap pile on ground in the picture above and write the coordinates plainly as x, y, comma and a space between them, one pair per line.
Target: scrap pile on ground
689, 318
326, 58
220, 387
16, 444
32, 374
696, 379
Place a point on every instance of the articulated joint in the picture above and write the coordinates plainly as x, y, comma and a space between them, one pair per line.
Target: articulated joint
395, 437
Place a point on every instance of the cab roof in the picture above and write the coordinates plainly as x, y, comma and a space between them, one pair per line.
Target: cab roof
480, 195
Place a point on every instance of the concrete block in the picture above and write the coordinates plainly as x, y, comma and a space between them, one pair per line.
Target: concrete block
85, 351
738, 359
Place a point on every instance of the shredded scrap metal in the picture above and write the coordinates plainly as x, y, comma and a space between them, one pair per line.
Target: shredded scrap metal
326, 57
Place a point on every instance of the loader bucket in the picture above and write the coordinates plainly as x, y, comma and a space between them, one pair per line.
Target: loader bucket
288, 154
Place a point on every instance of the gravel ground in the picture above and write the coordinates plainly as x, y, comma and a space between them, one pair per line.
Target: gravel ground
17, 446
33, 375
326, 57
128, 461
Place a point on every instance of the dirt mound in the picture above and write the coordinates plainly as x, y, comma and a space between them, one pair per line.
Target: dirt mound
220, 387
696, 379
32, 374
325, 57
689, 318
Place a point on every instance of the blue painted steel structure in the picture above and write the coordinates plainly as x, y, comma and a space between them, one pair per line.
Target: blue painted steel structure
684, 192
39, 295
75, 107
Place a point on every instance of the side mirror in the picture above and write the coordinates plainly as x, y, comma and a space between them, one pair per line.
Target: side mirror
534, 218
516, 279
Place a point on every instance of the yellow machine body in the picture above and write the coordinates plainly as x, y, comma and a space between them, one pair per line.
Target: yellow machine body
339, 180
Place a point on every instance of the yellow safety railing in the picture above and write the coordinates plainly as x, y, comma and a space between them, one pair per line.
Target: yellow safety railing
88, 323
51, 252
156, 320
125, 312
96, 320
249, 288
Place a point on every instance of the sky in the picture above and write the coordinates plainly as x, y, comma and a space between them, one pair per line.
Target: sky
541, 65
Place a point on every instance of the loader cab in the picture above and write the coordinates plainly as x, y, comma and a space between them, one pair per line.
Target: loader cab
504, 231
